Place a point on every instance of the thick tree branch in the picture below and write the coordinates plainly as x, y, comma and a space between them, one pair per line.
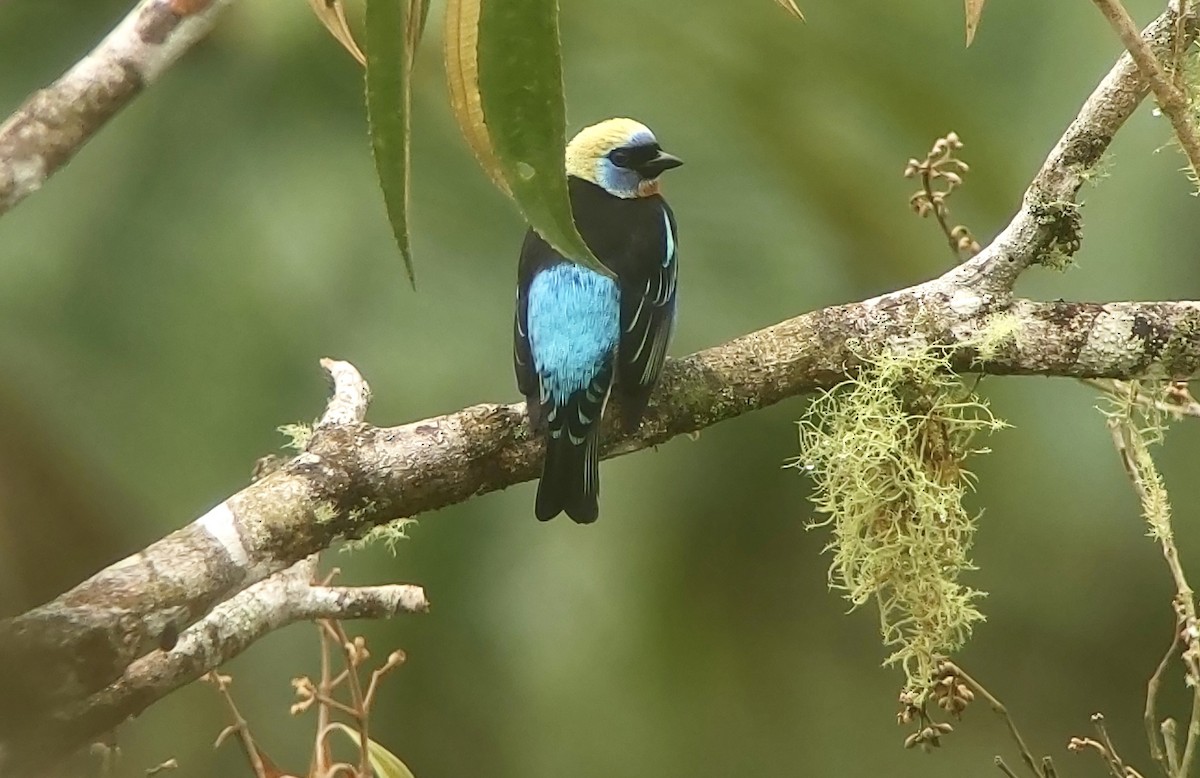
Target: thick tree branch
53, 123
77, 657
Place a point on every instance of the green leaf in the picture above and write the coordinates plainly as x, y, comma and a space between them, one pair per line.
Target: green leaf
384, 763
521, 93
393, 30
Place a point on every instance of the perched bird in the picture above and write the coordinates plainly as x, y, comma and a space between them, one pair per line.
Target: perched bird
578, 332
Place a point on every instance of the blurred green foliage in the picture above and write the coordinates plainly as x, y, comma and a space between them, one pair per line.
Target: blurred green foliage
164, 301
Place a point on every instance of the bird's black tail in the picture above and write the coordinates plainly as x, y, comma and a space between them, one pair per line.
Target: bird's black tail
570, 478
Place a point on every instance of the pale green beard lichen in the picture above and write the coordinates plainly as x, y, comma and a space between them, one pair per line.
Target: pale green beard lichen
1191, 81
390, 534
999, 331
1137, 422
298, 435
886, 451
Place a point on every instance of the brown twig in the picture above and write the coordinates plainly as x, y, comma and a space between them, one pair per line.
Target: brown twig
939, 213
239, 727
1150, 718
1079, 744
162, 767
1171, 98
1176, 399
950, 668
1132, 444
1189, 749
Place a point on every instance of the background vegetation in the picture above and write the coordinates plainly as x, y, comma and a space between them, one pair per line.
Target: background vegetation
164, 302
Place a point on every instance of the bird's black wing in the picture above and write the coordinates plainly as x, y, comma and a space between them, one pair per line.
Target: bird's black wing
648, 279
535, 254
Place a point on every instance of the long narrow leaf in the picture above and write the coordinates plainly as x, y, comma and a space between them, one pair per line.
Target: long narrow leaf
974, 10
393, 30
791, 7
333, 16
520, 87
461, 37
384, 763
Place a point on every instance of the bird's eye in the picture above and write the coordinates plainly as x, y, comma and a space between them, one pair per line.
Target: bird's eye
620, 157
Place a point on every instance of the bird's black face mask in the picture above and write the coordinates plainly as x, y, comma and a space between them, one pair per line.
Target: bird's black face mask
647, 161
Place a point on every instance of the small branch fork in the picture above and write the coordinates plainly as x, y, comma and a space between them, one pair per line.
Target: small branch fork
1168, 87
1132, 441
321, 695
283, 598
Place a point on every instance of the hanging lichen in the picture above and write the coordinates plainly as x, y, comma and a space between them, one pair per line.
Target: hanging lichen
886, 451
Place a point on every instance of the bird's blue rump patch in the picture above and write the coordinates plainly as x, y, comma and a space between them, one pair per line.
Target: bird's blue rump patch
574, 320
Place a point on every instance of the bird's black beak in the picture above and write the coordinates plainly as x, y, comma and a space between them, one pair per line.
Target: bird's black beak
658, 163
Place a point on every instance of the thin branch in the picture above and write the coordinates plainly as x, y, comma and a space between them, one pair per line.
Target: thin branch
1132, 443
1189, 748
1150, 718
351, 394
1004, 768
1079, 744
1177, 400
282, 599
54, 123
1122, 770
950, 668
239, 727
1172, 100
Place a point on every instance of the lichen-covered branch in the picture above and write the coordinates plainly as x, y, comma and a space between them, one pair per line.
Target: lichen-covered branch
76, 653
1048, 221
74, 663
284, 598
53, 123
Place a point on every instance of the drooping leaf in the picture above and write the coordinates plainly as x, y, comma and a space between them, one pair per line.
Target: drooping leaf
791, 7
393, 31
509, 92
974, 10
461, 36
384, 763
333, 16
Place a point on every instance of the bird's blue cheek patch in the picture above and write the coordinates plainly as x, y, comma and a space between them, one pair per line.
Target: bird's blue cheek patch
574, 319
615, 180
